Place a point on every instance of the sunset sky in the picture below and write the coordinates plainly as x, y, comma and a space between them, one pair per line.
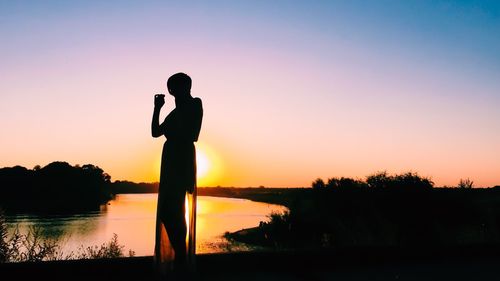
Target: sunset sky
292, 90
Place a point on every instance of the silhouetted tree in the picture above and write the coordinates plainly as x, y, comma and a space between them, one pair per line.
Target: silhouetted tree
57, 186
412, 180
345, 183
318, 184
379, 180
332, 183
132, 187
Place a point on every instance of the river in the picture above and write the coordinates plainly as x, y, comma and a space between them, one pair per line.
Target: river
132, 218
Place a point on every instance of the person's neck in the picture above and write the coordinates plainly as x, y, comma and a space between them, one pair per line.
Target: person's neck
179, 101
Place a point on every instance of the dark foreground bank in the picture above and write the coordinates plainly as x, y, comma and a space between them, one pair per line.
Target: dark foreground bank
465, 263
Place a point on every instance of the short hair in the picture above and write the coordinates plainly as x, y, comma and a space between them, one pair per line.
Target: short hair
180, 83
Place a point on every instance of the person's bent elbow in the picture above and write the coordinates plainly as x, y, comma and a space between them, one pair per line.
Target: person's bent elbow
156, 133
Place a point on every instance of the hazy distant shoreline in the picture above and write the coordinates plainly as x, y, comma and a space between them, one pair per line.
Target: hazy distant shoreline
280, 196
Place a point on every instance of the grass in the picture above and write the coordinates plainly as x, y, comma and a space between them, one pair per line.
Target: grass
31, 247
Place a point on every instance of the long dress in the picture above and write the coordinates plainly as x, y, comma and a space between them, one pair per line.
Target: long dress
175, 239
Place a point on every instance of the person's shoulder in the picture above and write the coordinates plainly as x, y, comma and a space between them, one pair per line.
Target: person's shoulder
197, 101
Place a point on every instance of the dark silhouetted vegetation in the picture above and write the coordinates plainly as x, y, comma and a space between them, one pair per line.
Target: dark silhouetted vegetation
111, 249
407, 181
465, 183
281, 196
4, 248
383, 210
118, 187
318, 184
32, 247
57, 187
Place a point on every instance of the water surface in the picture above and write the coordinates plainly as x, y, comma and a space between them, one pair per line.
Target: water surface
132, 218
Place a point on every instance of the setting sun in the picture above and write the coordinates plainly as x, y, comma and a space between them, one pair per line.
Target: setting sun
208, 165
202, 164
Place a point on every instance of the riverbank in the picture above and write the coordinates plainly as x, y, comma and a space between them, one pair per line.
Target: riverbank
332, 218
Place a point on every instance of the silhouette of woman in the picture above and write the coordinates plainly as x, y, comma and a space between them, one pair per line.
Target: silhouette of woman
173, 250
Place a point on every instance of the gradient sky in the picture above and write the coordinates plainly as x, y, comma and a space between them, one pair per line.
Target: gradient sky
292, 90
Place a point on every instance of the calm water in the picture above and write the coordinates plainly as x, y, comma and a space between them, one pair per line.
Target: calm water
132, 218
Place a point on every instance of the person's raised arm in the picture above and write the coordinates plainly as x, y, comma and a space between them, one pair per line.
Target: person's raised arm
156, 130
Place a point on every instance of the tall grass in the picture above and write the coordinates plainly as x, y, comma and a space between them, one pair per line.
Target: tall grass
4, 247
31, 247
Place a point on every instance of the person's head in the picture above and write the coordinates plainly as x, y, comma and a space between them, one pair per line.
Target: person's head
179, 85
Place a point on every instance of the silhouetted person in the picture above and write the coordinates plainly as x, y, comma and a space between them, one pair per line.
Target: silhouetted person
178, 172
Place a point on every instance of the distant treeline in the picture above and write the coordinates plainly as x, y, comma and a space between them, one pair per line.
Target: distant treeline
131, 187
281, 196
55, 187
